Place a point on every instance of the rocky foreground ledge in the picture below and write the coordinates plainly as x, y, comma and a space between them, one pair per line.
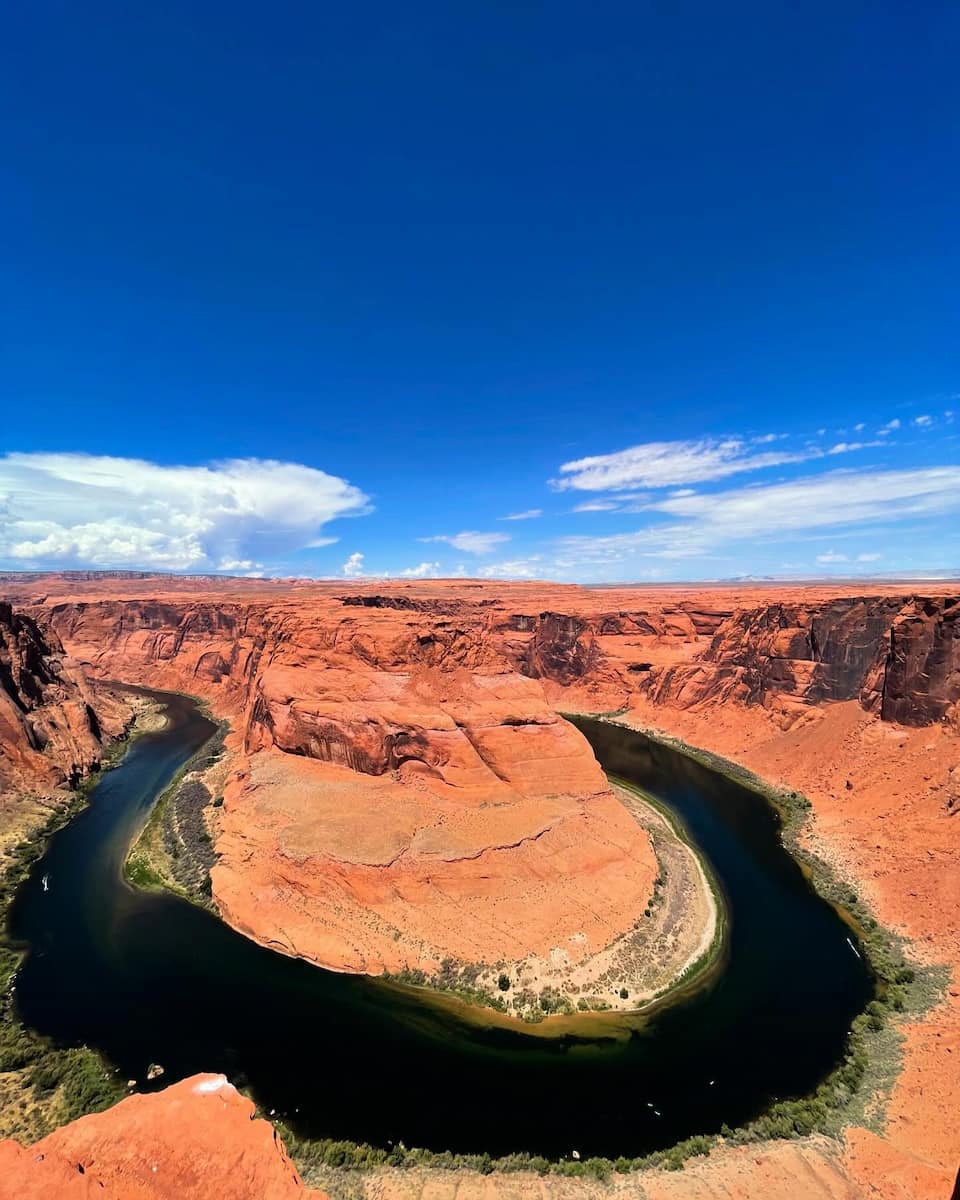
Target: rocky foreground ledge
194, 1141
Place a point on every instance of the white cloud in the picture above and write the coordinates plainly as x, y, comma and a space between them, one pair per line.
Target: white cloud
237, 564
869, 557
831, 556
470, 541
528, 515
701, 524
625, 502
597, 506
923, 422
422, 570
860, 427
353, 567
665, 464
518, 568
848, 447
834, 498
766, 438
890, 427
72, 510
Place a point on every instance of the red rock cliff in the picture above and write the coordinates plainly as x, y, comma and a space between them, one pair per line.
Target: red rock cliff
50, 730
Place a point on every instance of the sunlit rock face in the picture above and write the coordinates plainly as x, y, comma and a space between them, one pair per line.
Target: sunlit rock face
398, 763
192, 1141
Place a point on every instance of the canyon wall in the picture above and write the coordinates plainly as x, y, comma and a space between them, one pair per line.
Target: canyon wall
398, 765
403, 791
897, 653
52, 726
401, 794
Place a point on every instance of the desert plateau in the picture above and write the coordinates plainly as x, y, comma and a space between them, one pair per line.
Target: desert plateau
396, 794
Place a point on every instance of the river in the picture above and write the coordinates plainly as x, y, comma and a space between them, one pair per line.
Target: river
148, 977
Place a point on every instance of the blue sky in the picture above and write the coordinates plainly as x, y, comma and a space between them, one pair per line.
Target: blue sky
588, 292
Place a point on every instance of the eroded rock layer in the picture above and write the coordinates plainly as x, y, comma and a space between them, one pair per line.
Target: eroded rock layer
52, 727
391, 738
403, 794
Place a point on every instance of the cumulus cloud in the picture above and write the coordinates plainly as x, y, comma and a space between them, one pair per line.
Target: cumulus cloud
470, 541
238, 564
353, 567
668, 464
831, 556
869, 557
923, 422
528, 515
890, 427
75, 510
422, 570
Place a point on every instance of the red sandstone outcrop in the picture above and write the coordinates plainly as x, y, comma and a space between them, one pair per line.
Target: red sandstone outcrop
380, 756
51, 725
419, 815
193, 1141
404, 794
916, 678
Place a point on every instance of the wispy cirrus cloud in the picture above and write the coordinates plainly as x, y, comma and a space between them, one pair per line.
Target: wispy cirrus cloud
471, 541
670, 464
847, 447
704, 525
622, 502
529, 514
516, 568
68, 510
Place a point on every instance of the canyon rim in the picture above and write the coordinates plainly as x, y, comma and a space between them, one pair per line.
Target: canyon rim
433, 709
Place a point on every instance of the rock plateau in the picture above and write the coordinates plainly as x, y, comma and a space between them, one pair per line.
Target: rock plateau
402, 789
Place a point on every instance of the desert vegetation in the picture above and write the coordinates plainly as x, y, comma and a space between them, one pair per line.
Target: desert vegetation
175, 849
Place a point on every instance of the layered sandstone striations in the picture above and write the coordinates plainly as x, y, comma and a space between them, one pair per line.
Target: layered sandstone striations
403, 794
375, 755
50, 733
54, 724
395, 819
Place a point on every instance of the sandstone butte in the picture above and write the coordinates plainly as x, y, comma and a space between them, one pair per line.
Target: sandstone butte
434, 704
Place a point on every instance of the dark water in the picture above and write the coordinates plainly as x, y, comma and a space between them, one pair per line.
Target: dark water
150, 978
